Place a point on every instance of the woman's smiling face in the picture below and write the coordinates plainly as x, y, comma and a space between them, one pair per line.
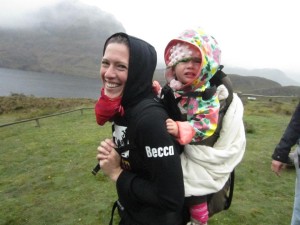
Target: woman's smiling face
114, 69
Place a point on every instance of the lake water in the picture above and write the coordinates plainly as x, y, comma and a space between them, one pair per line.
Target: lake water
47, 85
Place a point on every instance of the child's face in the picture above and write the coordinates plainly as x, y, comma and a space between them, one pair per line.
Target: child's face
188, 69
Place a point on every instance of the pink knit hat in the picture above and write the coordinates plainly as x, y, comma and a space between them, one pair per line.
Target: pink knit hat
176, 51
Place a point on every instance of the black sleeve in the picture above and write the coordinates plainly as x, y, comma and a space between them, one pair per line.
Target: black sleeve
163, 188
216, 80
289, 138
221, 78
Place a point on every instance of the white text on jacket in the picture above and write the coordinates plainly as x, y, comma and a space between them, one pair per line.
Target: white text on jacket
160, 151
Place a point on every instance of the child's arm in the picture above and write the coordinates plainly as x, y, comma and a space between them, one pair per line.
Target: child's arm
183, 131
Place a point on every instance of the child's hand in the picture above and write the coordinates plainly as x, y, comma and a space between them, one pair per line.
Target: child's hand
172, 127
156, 87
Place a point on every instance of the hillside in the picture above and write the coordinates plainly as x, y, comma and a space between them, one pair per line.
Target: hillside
64, 39
269, 73
261, 86
250, 85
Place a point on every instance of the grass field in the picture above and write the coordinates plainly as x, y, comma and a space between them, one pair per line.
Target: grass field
46, 171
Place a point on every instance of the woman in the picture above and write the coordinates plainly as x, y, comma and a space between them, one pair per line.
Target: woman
142, 158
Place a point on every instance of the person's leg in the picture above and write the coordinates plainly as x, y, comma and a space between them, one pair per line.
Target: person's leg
198, 210
199, 214
296, 210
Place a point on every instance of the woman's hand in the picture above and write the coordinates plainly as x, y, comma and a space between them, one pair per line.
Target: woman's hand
277, 166
109, 159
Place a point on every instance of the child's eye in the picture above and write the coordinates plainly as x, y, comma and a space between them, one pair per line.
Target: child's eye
196, 60
193, 59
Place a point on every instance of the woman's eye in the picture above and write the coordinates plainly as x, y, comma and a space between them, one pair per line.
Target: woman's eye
104, 63
121, 67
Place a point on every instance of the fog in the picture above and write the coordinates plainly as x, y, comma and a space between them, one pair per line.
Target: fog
24, 15
252, 34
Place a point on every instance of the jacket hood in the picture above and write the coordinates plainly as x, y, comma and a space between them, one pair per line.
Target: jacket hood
209, 50
142, 64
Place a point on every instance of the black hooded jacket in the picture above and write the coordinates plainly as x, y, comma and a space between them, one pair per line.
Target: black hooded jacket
289, 138
150, 188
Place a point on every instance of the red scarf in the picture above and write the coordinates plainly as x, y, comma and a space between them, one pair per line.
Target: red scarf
106, 108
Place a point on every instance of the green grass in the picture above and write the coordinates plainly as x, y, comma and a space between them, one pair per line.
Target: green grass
46, 171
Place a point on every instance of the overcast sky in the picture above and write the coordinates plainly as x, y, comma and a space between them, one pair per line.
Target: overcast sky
251, 33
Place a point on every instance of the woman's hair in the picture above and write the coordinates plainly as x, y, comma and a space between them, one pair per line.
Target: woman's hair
118, 38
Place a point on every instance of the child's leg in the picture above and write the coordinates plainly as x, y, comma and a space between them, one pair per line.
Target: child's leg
199, 213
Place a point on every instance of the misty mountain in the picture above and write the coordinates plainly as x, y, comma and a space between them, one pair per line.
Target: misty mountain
66, 38
249, 85
261, 86
271, 74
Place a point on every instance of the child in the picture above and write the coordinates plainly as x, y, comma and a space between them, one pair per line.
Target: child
192, 59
